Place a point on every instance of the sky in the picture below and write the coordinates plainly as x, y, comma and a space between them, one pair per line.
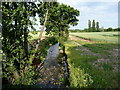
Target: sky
103, 11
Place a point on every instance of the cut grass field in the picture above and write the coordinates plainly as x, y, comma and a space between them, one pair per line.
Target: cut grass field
93, 59
98, 36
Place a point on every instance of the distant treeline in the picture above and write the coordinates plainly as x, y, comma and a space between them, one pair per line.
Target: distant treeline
100, 30
93, 26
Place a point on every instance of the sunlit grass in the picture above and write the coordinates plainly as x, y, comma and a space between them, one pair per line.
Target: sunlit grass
98, 36
81, 62
78, 77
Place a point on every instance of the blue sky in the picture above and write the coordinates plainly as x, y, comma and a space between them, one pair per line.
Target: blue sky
105, 12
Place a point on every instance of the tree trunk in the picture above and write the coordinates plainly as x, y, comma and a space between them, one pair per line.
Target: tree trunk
41, 32
42, 29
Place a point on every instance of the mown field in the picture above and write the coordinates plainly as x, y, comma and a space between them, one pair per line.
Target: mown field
93, 59
98, 36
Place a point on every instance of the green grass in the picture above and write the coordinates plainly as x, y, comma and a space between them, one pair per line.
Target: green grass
99, 36
78, 77
81, 61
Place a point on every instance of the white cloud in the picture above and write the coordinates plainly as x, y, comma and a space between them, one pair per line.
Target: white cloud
74, 2
104, 11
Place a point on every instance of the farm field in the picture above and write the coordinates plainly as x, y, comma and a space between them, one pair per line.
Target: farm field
98, 36
93, 56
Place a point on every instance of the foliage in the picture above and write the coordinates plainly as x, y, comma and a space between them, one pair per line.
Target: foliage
15, 23
111, 29
26, 79
101, 29
80, 78
97, 26
93, 26
75, 30
89, 26
44, 45
59, 18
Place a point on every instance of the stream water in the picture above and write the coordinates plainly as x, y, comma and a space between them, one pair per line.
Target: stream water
52, 73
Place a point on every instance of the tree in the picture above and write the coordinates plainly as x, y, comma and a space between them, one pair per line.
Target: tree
97, 26
89, 25
44, 9
93, 26
102, 29
109, 29
59, 20
15, 23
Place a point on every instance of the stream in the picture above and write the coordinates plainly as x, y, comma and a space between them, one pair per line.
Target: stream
53, 74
